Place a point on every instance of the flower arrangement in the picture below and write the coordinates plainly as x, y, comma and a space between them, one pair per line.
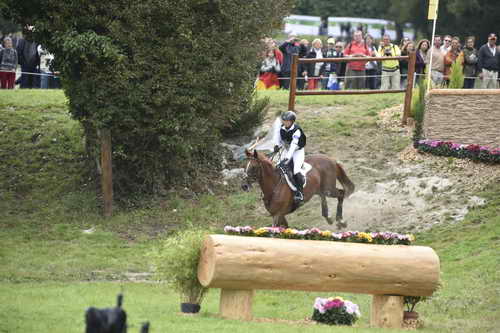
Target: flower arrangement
335, 311
473, 152
386, 238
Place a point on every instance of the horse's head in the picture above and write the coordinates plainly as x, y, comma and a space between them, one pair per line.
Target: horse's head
252, 170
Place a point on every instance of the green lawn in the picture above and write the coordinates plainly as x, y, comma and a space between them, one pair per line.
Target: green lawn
50, 271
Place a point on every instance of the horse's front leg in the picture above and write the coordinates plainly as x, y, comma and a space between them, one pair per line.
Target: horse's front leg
280, 221
324, 209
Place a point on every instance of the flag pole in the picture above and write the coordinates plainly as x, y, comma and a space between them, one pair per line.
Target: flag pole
432, 15
430, 60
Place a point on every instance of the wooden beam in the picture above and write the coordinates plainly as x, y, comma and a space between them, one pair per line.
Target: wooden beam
464, 92
409, 88
236, 304
293, 83
107, 171
387, 311
348, 92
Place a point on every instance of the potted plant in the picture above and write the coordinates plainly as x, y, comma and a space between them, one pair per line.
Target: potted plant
176, 263
335, 311
410, 304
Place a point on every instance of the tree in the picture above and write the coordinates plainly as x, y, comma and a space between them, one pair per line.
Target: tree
167, 78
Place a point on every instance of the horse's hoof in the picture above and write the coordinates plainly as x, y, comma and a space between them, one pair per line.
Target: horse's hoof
338, 218
329, 220
341, 225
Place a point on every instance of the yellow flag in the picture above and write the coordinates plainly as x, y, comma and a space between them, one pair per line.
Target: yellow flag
433, 9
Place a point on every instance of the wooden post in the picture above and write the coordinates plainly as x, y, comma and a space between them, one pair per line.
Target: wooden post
409, 87
236, 304
107, 172
293, 82
387, 311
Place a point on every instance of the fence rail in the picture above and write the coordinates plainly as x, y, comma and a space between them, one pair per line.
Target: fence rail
408, 91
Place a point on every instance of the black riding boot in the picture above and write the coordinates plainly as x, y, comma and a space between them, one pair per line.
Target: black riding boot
299, 183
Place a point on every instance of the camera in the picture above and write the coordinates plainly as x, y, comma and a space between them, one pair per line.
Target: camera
387, 52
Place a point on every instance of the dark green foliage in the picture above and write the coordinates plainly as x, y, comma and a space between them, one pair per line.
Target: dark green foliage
412, 301
168, 78
473, 152
334, 316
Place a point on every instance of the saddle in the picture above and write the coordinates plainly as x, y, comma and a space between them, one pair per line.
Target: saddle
287, 172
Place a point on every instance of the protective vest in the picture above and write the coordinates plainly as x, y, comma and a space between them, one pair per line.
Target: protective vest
287, 136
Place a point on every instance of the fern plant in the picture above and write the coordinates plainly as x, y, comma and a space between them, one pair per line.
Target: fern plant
457, 75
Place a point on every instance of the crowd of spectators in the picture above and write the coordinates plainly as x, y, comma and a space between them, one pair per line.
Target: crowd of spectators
478, 65
33, 61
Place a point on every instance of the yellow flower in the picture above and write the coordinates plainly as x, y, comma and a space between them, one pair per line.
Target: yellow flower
326, 233
364, 235
340, 298
412, 237
290, 231
260, 231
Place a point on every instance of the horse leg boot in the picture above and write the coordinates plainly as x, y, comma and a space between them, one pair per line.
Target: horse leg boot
299, 183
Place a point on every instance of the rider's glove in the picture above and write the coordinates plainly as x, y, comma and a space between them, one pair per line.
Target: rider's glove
276, 149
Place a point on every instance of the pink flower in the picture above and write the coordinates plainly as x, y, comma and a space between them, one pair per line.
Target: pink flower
336, 303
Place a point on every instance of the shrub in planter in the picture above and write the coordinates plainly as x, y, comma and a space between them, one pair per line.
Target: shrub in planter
176, 262
335, 311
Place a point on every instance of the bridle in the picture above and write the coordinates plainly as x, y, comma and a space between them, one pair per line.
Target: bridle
258, 176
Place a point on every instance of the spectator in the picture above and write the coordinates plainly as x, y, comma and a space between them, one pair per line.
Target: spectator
422, 58
390, 68
268, 77
371, 67
288, 48
403, 42
469, 58
355, 73
8, 64
323, 27
315, 70
446, 47
403, 64
45, 60
437, 62
341, 66
489, 63
302, 68
451, 57
30, 62
334, 50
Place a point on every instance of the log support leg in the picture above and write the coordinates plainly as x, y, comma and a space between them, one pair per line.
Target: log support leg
236, 304
387, 311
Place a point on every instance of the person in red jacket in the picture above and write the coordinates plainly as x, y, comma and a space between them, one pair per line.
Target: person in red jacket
355, 73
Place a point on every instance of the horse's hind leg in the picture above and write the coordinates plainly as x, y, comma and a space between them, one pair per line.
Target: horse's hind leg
340, 201
324, 209
280, 221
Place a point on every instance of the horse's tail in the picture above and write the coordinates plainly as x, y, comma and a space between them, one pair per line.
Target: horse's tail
347, 184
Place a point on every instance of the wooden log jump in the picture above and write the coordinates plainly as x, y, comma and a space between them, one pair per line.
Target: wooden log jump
239, 265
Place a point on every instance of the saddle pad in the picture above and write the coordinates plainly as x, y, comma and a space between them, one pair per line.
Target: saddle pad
306, 167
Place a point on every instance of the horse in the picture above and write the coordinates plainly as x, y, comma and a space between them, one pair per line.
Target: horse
277, 195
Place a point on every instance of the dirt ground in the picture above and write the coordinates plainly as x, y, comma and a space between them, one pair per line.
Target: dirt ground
397, 188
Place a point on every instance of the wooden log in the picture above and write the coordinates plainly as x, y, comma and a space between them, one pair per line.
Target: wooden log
387, 311
107, 172
236, 304
293, 83
247, 263
350, 59
409, 88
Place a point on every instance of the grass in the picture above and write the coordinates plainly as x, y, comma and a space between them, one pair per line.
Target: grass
50, 270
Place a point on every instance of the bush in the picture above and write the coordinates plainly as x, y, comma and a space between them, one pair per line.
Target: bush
167, 78
418, 110
456, 75
411, 302
176, 263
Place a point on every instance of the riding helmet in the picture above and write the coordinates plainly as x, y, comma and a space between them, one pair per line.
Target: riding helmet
289, 115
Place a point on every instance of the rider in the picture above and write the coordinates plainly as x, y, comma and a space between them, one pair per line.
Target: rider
294, 139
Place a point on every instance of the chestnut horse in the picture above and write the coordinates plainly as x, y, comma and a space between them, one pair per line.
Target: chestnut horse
278, 197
